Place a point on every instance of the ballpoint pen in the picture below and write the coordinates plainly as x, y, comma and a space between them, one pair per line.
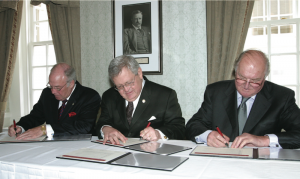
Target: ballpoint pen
15, 127
221, 135
149, 123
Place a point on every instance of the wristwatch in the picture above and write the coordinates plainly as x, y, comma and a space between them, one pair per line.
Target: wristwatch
43, 128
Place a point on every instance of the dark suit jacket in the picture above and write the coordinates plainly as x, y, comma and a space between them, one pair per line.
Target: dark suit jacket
85, 102
274, 109
160, 101
130, 40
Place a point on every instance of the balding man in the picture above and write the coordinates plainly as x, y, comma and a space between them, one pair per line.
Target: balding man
249, 110
65, 106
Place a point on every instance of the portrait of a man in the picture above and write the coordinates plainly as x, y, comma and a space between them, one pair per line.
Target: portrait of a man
136, 33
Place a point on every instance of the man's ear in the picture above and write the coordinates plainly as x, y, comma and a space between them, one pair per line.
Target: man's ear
140, 73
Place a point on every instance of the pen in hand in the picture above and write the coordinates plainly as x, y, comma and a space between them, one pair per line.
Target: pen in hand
15, 127
221, 135
141, 138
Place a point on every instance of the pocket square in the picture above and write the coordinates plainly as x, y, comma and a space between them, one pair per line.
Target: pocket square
71, 114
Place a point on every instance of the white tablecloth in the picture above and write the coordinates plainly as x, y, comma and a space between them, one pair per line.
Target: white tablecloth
38, 160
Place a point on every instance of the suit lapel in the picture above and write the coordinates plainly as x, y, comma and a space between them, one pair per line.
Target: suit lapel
121, 108
144, 101
259, 108
229, 102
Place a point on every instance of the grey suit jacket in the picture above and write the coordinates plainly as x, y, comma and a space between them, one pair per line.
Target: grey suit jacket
159, 101
274, 109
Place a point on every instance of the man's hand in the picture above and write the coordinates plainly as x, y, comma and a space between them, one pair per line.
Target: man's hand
150, 134
214, 139
12, 132
250, 140
113, 135
31, 134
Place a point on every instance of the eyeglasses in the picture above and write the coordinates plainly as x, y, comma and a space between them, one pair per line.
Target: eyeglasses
251, 83
128, 84
56, 88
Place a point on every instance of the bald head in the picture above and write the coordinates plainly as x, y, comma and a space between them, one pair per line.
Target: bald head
251, 69
64, 69
255, 56
62, 80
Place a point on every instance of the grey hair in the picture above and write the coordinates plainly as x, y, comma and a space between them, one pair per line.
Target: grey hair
68, 71
136, 12
252, 52
118, 63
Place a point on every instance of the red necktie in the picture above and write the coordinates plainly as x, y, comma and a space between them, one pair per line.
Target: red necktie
61, 109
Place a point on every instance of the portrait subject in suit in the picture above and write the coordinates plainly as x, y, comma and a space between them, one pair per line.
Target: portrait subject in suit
67, 107
250, 111
127, 107
137, 38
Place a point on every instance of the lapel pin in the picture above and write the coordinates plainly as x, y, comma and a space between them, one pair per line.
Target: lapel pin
73, 104
143, 101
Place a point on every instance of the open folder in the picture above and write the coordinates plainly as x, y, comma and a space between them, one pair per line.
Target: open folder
139, 160
8, 139
129, 142
158, 148
225, 152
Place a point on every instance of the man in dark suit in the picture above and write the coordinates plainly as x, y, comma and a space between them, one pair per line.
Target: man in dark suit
137, 39
65, 105
127, 107
269, 109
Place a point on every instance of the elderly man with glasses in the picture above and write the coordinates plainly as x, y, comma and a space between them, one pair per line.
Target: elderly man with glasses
249, 110
127, 107
65, 106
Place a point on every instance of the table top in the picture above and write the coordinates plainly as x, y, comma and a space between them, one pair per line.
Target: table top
38, 160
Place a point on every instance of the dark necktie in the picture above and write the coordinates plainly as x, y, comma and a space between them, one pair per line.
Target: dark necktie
242, 114
61, 109
129, 111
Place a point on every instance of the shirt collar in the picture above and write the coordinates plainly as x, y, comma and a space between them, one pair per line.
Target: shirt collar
239, 96
60, 102
136, 28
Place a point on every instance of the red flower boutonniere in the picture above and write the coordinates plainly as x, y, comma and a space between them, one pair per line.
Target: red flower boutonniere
71, 114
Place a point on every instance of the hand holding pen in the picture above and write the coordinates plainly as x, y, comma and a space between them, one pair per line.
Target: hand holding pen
219, 131
149, 133
14, 130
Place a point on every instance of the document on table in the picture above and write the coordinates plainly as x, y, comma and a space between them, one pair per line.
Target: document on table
225, 152
7, 139
93, 155
129, 142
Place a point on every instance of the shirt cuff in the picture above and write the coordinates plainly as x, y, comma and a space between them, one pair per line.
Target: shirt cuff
273, 140
202, 138
102, 134
162, 135
23, 130
49, 130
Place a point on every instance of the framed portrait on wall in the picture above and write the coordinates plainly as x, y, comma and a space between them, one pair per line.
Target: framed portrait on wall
138, 32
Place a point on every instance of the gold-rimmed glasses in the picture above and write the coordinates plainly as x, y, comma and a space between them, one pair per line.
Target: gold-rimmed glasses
128, 84
241, 80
